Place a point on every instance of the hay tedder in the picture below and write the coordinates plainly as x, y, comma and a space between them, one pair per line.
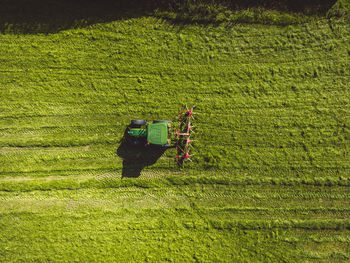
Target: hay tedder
164, 134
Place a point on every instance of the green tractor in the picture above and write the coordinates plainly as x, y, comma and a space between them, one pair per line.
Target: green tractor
162, 135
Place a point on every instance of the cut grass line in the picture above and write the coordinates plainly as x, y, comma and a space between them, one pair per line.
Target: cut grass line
70, 183
29, 149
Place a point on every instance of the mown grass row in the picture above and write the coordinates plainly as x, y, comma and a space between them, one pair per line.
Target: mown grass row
205, 196
71, 183
184, 212
162, 221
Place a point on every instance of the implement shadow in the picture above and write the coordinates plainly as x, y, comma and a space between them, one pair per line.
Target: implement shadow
52, 16
137, 157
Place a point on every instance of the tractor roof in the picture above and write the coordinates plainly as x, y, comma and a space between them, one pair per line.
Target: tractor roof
157, 133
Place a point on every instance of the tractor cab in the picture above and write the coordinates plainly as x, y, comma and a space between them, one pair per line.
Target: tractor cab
157, 133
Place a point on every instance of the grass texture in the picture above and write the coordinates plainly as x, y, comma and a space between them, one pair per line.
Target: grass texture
270, 179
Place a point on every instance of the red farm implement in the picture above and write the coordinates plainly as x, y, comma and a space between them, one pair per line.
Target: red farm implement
183, 140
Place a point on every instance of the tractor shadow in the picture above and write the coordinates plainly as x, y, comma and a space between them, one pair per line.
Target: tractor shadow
136, 158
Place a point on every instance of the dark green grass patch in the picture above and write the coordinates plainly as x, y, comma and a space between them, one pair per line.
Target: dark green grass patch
39, 16
253, 12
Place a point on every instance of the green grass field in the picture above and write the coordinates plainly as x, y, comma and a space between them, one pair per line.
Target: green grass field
271, 176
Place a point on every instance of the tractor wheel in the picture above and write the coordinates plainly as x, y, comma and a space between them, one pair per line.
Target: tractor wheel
137, 123
158, 121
